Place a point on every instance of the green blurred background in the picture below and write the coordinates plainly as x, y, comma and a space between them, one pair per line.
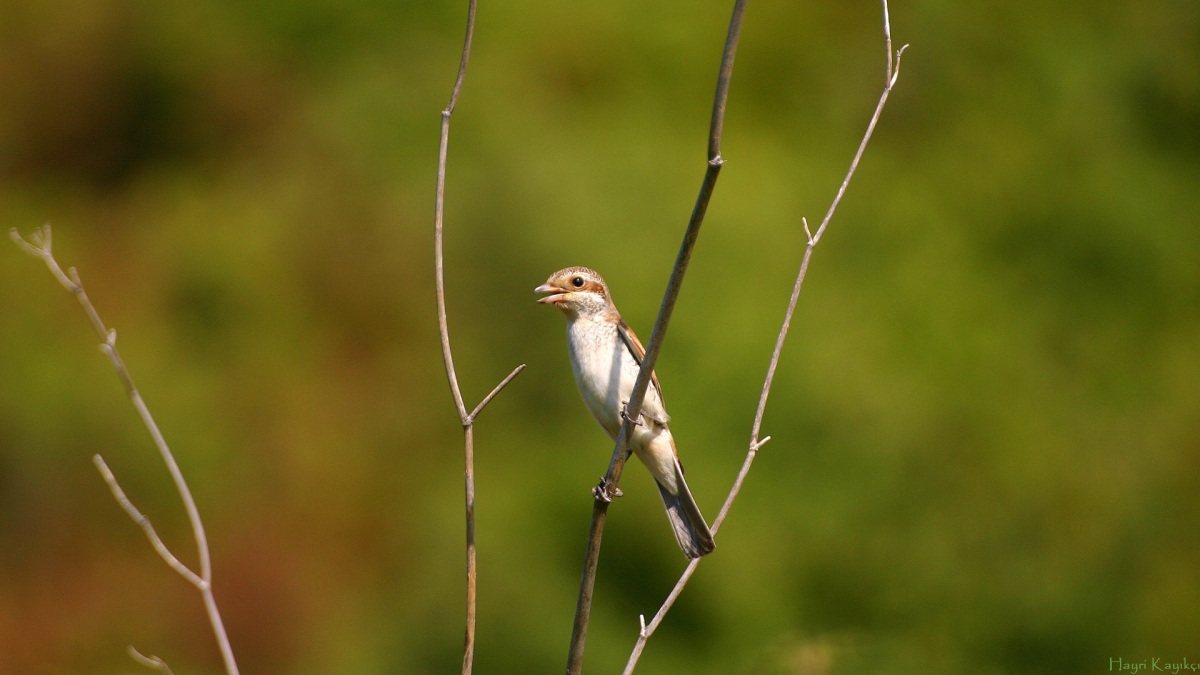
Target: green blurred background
986, 423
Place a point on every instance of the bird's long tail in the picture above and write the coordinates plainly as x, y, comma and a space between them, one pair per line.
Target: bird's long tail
690, 529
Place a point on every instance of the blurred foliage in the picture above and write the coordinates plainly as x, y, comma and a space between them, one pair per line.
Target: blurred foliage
986, 423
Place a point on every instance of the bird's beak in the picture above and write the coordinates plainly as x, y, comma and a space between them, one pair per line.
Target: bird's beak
557, 294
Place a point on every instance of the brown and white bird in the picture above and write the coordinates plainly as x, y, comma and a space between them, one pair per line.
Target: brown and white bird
606, 357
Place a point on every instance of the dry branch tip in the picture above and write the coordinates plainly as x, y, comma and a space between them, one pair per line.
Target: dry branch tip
149, 661
895, 67
38, 244
29, 248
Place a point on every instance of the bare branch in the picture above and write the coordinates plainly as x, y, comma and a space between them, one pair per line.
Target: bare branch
467, 419
609, 485
41, 247
144, 523
472, 576
439, 214
488, 399
893, 71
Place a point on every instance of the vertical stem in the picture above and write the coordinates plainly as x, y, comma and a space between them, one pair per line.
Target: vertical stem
620, 454
447, 354
438, 215
467, 419
469, 481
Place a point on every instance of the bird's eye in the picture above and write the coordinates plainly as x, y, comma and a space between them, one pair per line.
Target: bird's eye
577, 282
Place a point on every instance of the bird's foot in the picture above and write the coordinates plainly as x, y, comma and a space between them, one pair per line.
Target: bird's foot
625, 415
605, 492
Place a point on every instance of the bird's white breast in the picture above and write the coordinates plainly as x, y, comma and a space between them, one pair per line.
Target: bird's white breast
605, 372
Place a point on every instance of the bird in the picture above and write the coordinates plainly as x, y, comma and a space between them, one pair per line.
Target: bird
606, 356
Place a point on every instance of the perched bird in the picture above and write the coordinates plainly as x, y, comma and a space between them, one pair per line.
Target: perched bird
606, 357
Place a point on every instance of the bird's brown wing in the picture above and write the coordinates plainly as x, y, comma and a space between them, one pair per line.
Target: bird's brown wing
639, 352
634, 345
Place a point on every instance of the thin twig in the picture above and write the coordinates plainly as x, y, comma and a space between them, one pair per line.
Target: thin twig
467, 419
633, 408
893, 71
40, 246
488, 399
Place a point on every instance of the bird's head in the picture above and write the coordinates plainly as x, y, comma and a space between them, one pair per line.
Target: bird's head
577, 291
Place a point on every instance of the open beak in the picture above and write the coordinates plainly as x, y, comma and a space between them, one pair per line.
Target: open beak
556, 296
